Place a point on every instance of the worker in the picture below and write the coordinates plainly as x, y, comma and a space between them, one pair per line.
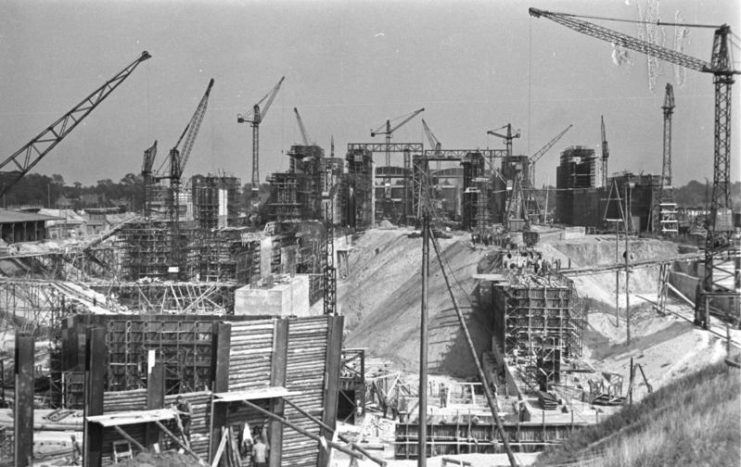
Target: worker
260, 453
185, 412
76, 451
443, 395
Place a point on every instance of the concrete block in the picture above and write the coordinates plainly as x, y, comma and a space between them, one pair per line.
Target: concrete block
283, 296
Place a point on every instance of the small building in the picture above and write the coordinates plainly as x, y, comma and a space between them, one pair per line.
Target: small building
69, 225
23, 227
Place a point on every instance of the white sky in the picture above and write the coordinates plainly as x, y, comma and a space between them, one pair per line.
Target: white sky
349, 65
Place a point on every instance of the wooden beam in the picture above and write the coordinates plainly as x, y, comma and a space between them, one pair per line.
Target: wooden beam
180, 443
222, 446
342, 438
220, 371
128, 438
320, 439
333, 362
155, 400
278, 378
23, 420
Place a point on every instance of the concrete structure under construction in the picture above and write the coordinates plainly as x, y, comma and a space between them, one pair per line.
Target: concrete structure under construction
257, 373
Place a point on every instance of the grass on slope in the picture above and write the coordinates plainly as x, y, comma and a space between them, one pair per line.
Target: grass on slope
694, 421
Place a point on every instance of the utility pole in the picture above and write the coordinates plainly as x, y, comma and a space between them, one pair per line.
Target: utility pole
422, 457
627, 264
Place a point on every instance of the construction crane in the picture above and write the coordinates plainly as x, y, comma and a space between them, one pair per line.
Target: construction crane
173, 169
387, 130
434, 143
664, 209
508, 136
542, 151
605, 152
302, 128
330, 271
721, 277
255, 119
148, 177
24, 159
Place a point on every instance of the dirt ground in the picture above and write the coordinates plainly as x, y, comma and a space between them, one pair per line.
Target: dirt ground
381, 301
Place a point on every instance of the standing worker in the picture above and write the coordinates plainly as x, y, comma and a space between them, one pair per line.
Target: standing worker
260, 453
185, 412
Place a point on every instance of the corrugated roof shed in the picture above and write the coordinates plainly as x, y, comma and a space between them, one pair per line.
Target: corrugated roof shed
11, 217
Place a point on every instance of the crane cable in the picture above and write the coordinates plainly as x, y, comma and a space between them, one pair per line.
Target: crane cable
635, 21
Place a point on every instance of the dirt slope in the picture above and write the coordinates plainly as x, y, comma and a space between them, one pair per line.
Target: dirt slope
381, 300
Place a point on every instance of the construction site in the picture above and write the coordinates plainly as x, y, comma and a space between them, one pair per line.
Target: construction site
386, 303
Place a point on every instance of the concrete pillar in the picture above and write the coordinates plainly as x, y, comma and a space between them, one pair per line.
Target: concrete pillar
24, 376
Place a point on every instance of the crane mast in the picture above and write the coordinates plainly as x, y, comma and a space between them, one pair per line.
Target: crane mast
721, 277
24, 159
177, 159
255, 119
149, 155
664, 209
508, 136
387, 130
605, 152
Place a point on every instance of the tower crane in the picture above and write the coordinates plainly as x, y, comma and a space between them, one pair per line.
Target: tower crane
434, 143
387, 130
177, 159
664, 209
542, 151
605, 152
721, 278
507, 136
302, 128
148, 177
255, 119
24, 159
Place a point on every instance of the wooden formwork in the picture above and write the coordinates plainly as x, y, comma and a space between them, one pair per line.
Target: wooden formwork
246, 353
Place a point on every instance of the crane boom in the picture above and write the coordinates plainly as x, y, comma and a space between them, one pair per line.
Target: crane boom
623, 40
301, 127
194, 126
31, 153
434, 143
387, 130
255, 118
508, 136
541, 152
718, 242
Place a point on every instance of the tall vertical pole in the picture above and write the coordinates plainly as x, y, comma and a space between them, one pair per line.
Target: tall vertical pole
617, 275
422, 457
23, 419
627, 261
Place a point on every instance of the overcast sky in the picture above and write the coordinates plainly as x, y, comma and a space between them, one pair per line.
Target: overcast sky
349, 65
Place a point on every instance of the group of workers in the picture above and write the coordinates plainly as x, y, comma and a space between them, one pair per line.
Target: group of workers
529, 261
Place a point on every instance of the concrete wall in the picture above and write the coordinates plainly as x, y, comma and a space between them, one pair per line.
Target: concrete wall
287, 296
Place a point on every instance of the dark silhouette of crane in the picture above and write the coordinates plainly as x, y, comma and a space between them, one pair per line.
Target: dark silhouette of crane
605, 151
387, 130
665, 213
302, 128
507, 136
24, 159
542, 151
172, 170
255, 119
721, 277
